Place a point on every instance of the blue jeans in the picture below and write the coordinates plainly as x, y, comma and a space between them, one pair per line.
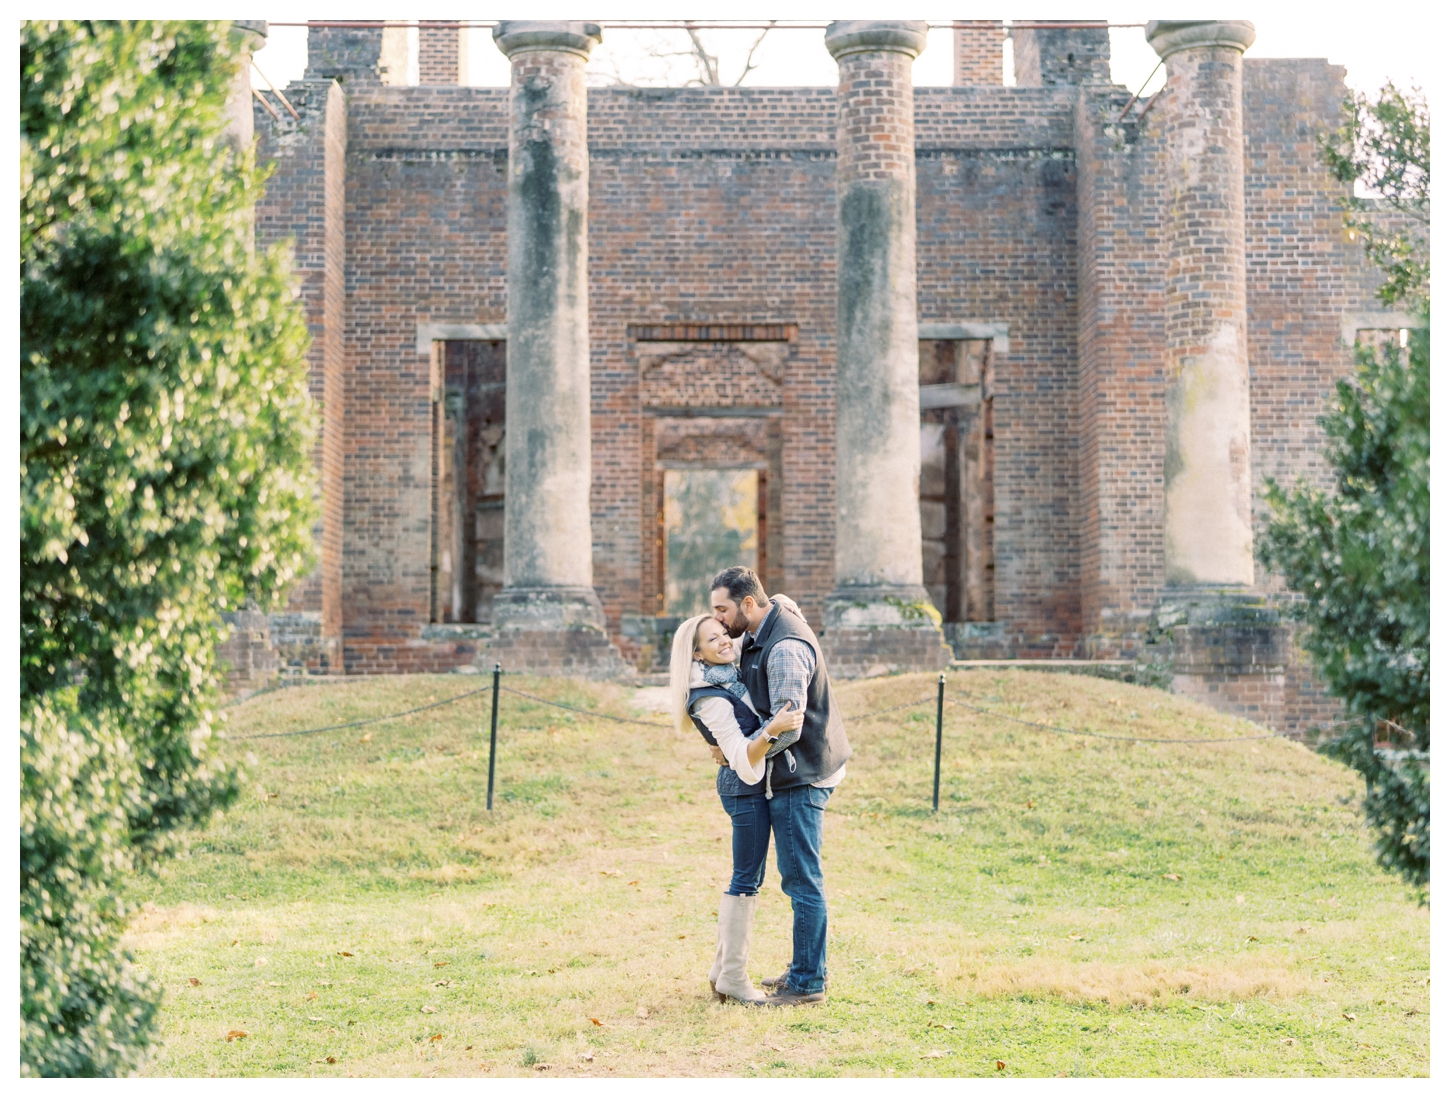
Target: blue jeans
798, 817
749, 841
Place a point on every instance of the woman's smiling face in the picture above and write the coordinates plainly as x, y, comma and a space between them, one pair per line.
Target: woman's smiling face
713, 644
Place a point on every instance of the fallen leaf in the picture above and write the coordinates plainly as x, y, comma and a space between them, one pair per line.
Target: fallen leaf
633, 882
1411, 1012
931, 1002
315, 1018
1301, 930
234, 941
430, 1010
934, 1054
680, 937
596, 1021
1251, 938
588, 1057
1076, 938
609, 873
442, 983
1288, 1041
1172, 877
441, 964
543, 1067
1349, 1016
642, 1012
311, 995
332, 1059
367, 737
235, 1034
775, 1048
193, 981
436, 1037
259, 962
467, 1047
1001, 1065
1031, 805
343, 953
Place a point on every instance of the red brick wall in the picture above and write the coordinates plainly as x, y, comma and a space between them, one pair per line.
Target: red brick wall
996, 241
717, 205
425, 243
304, 206
1304, 274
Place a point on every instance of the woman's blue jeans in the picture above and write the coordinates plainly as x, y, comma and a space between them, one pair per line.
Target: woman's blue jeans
749, 841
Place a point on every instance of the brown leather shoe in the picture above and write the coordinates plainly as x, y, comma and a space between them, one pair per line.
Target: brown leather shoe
788, 996
771, 982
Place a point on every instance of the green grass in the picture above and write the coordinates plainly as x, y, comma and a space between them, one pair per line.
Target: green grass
1078, 907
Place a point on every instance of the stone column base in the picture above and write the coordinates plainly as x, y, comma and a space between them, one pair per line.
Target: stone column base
550, 631
881, 631
1226, 647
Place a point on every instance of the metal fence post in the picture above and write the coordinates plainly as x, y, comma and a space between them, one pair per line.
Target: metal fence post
493, 732
941, 689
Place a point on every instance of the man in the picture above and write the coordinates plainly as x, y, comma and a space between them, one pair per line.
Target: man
781, 666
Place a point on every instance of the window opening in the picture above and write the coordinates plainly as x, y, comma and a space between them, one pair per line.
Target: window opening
958, 565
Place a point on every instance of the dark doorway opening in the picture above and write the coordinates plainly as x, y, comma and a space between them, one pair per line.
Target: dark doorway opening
468, 479
956, 478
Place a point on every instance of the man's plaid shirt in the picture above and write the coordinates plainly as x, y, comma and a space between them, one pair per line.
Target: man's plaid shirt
788, 671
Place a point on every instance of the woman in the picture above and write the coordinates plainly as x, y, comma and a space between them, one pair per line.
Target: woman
706, 692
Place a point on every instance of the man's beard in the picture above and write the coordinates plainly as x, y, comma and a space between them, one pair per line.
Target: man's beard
735, 624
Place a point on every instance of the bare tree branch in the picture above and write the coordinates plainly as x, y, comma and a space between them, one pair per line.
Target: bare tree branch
708, 63
750, 57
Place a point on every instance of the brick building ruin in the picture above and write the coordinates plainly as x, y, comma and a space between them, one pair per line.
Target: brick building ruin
1019, 357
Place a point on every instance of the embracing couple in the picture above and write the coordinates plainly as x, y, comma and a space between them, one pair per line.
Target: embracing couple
751, 679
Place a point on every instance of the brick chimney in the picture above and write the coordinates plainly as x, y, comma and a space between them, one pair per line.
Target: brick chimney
442, 54
977, 54
1046, 57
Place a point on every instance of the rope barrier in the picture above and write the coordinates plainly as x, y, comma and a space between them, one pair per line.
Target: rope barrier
364, 723
586, 712
518, 694
1104, 735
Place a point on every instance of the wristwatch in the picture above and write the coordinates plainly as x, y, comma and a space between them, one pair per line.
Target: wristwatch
772, 739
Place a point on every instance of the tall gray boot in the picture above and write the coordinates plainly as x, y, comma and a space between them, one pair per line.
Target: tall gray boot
737, 913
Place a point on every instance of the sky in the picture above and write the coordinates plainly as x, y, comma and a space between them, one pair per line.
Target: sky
1396, 46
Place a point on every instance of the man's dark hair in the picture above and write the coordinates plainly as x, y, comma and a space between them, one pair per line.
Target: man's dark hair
740, 581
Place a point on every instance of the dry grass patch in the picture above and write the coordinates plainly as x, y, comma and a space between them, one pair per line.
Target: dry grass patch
1142, 984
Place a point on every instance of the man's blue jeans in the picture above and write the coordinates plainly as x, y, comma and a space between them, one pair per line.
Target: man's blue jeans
798, 817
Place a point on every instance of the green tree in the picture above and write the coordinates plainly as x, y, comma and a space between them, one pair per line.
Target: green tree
165, 476
1359, 553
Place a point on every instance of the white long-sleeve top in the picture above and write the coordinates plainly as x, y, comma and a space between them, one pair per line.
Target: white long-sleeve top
718, 716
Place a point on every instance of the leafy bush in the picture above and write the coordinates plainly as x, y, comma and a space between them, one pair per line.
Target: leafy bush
1360, 553
165, 476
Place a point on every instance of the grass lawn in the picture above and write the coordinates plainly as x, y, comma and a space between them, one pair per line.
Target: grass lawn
1078, 906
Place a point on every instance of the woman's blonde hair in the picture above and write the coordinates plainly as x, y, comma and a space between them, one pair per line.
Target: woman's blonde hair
682, 654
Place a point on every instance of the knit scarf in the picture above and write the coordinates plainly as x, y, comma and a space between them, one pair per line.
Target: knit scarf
724, 675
